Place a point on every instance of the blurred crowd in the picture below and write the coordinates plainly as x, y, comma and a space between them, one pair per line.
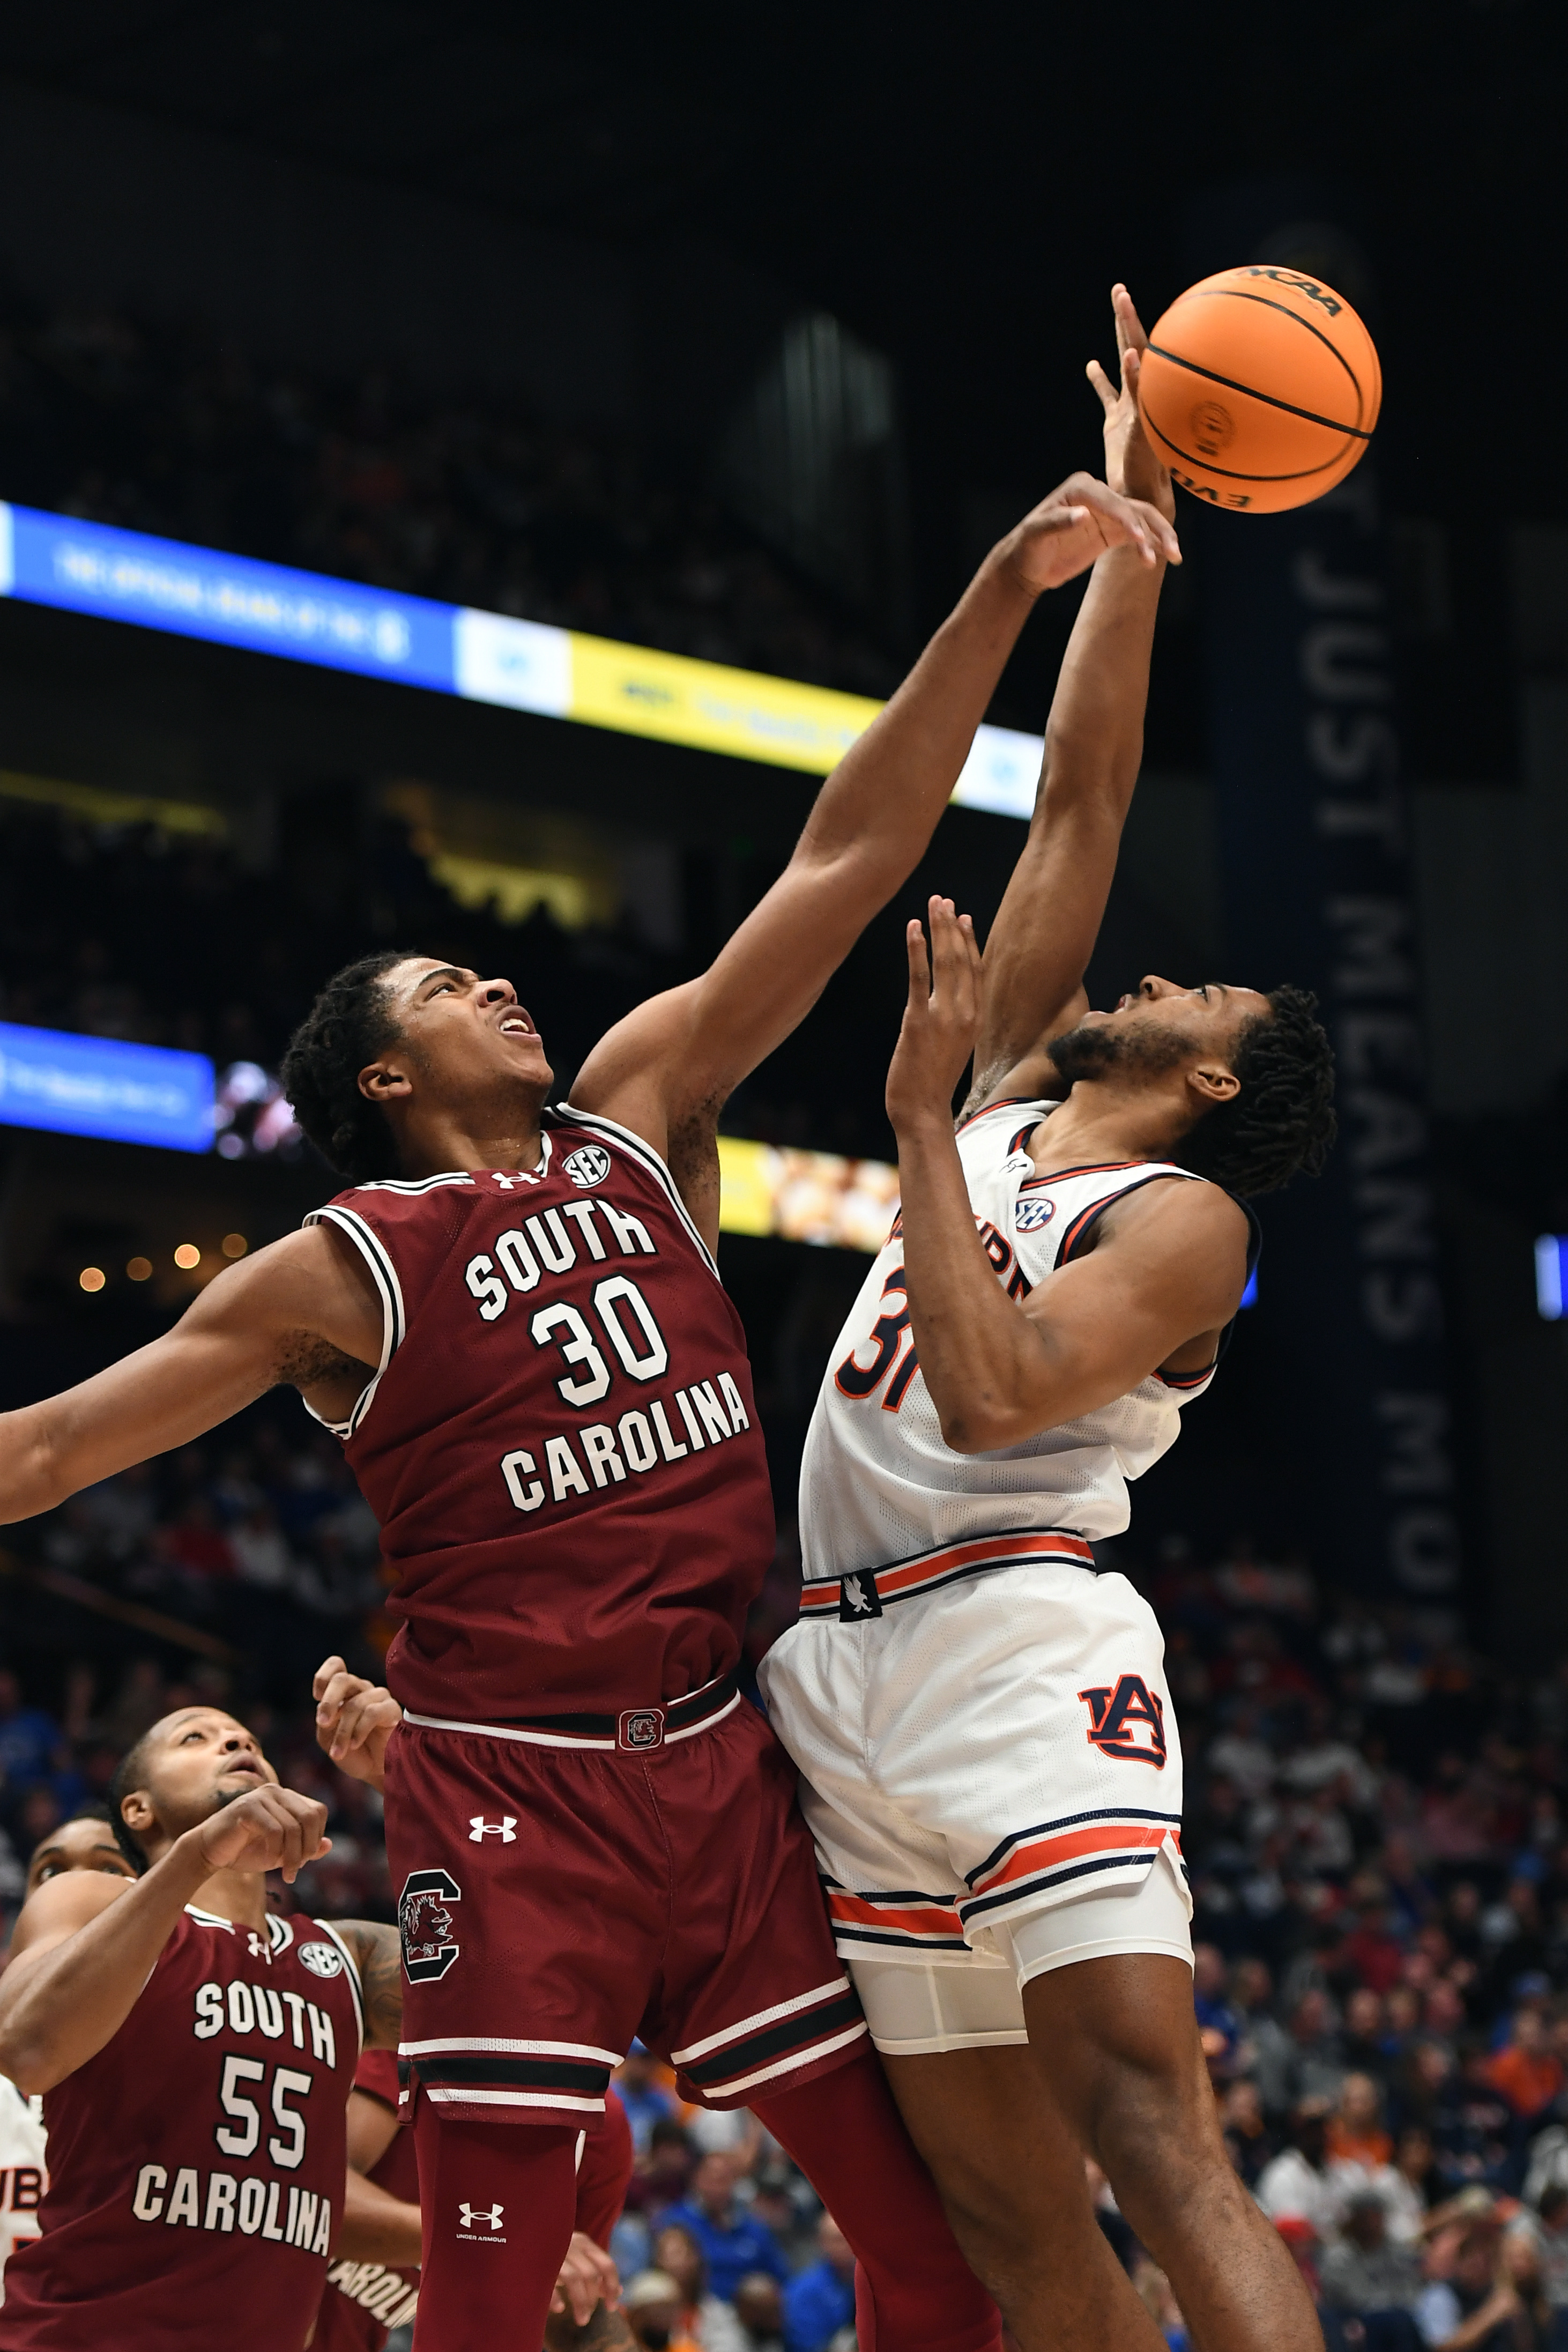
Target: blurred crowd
170, 429
1374, 1831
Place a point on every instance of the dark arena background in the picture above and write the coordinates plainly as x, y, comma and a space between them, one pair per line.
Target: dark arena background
465, 477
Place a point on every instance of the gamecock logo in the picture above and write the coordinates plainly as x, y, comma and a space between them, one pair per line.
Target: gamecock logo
425, 1924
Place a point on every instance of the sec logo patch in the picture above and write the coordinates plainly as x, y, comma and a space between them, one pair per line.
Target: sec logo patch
587, 1167
1030, 1215
321, 1959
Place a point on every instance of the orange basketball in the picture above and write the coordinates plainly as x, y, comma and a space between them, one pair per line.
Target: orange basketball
1261, 388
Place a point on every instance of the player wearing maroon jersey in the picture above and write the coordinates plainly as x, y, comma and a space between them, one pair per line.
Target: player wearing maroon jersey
514, 1319
195, 2054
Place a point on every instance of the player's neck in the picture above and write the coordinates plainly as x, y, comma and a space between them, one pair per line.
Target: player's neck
438, 1143
1101, 1123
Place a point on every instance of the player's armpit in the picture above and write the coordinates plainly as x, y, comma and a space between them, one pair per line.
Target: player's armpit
237, 1341
378, 1959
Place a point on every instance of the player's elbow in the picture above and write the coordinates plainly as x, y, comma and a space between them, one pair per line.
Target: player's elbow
31, 1478
25, 2060
981, 1429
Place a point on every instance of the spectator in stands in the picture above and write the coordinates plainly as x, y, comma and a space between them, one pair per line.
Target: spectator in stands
1470, 2302
642, 2095
27, 1734
733, 2242
1248, 2138
1295, 2186
1355, 2132
759, 2312
1527, 2071
709, 2323
820, 2299
1545, 2230
1474, 2127
652, 2302
1366, 2276
661, 2174
1159, 2300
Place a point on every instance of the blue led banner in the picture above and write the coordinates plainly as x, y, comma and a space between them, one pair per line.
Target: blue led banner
102, 1085
269, 608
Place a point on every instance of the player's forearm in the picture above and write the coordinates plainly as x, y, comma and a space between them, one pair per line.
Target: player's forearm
986, 1367
882, 803
59, 2007
30, 1476
376, 2226
1094, 734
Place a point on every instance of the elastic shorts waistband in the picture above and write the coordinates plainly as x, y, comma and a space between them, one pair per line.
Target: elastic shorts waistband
635, 1730
867, 1591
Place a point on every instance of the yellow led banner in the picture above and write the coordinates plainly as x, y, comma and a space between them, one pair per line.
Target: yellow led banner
640, 692
805, 1196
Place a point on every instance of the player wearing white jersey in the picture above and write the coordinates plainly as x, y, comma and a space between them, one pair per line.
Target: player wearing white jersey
992, 1765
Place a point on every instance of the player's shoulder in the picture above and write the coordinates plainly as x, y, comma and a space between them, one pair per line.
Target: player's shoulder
61, 1905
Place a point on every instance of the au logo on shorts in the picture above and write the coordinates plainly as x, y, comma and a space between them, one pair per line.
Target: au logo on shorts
1127, 1719
425, 1924
588, 1166
1031, 1216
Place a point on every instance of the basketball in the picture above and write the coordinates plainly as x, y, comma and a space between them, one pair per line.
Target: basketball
1261, 388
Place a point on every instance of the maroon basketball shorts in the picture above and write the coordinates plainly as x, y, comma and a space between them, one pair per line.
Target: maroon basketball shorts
557, 1900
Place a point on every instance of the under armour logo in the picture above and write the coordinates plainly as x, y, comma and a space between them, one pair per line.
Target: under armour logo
508, 1183
506, 1829
260, 1948
858, 1595
471, 2215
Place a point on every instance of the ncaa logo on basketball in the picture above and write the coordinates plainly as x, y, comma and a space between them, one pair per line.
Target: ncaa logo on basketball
587, 1167
1033, 1216
321, 1959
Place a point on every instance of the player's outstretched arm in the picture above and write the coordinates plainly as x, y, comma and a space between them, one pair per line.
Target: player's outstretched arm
1166, 1272
1044, 933
671, 1064
302, 1310
85, 1945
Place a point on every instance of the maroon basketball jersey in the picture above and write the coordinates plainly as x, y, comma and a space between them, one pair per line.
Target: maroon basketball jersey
560, 1442
365, 2301
196, 2163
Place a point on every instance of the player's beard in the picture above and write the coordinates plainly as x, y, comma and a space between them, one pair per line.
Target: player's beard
1098, 1049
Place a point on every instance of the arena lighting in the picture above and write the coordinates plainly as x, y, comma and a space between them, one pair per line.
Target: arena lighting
54, 1079
1551, 1275
195, 591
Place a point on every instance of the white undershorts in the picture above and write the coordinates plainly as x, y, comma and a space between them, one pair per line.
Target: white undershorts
916, 2006
983, 1758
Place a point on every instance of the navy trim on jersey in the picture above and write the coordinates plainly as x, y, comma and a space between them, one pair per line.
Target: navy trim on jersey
394, 1322
568, 1113
1010, 1102
1087, 1219
1040, 1881
1070, 1821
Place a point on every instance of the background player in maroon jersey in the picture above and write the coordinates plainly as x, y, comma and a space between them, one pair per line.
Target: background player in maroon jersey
195, 2055
515, 1322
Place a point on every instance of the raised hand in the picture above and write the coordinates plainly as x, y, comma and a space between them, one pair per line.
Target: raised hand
269, 1829
1075, 525
354, 1720
941, 1018
1131, 465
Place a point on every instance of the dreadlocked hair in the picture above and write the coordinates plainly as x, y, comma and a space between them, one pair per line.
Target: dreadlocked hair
1281, 1119
350, 1024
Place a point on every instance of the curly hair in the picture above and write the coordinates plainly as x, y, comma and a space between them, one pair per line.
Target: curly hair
1282, 1120
352, 1022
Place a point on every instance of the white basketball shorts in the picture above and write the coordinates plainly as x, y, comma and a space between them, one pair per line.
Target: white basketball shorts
992, 1775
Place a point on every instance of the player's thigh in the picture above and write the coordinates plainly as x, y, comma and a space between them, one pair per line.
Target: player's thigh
998, 2144
1117, 2040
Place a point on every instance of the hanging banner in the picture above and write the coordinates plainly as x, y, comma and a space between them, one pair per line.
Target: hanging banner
1317, 889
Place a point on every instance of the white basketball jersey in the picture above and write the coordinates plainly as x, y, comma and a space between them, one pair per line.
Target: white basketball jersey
24, 2175
878, 1485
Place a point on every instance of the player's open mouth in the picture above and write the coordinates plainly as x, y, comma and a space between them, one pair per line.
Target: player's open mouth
517, 1024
